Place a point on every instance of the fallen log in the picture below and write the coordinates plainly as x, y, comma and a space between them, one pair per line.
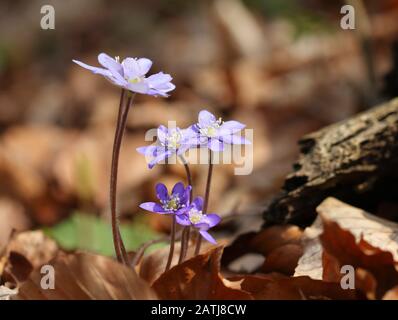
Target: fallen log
355, 160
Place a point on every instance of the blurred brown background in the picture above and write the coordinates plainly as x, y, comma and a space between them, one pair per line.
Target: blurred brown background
285, 68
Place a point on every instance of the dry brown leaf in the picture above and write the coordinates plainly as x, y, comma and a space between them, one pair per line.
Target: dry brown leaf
379, 233
84, 276
154, 264
274, 237
12, 217
283, 259
310, 263
391, 294
37, 248
278, 287
342, 246
198, 278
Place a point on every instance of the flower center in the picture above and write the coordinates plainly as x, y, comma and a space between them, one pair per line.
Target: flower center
195, 216
136, 80
212, 129
172, 204
174, 139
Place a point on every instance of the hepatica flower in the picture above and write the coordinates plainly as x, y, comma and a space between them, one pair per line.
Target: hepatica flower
171, 141
215, 132
194, 216
130, 74
175, 203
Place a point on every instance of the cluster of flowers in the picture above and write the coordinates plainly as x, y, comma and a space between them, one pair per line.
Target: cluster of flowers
209, 132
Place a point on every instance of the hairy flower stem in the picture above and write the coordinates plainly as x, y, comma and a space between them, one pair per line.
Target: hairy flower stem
172, 243
206, 200
120, 249
184, 244
187, 230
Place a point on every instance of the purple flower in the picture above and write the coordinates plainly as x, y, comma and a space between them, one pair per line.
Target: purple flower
130, 75
193, 216
175, 203
171, 141
215, 132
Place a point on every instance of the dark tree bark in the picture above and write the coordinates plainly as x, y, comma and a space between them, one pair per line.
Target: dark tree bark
351, 160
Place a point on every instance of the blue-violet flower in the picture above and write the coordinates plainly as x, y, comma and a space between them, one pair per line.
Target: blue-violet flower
214, 132
175, 203
194, 216
130, 74
171, 141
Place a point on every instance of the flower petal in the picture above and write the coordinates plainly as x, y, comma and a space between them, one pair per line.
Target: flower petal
161, 192
94, 70
144, 65
198, 203
152, 206
206, 118
234, 139
178, 190
207, 236
159, 158
231, 127
183, 220
159, 79
131, 68
110, 63
212, 219
147, 150
139, 87
215, 145
162, 133
187, 195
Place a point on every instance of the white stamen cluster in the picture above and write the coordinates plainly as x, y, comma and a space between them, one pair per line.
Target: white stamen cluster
212, 129
173, 140
195, 216
172, 204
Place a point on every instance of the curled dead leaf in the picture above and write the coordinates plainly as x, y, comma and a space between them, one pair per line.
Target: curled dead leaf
278, 287
198, 278
283, 259
342, 246
34, 246
84, 276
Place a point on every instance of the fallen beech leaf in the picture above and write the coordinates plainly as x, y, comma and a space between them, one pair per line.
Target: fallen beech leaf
342, 245
198, 278
377, 232
262, 242
391, 294
310, 263
283, 259
274, 237
12, 217
17, 268
278, 287
84, 276
154, 264
34, 246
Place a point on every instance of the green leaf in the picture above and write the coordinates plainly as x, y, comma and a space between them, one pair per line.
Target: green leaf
90, 233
